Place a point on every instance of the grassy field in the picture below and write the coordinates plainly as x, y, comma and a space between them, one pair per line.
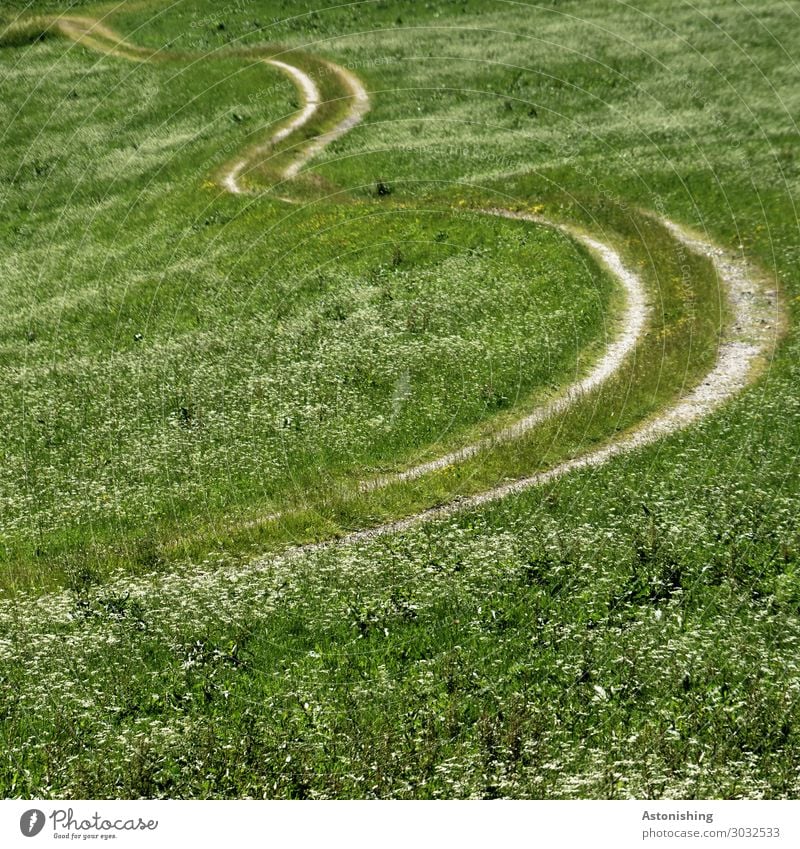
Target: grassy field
181, 364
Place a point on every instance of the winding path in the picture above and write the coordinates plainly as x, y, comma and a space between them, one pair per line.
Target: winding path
311, 97
750, 336
358, 107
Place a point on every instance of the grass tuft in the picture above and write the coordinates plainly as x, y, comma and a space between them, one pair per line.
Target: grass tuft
19, 33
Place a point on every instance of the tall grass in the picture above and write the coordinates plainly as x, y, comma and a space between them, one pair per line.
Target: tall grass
18, 33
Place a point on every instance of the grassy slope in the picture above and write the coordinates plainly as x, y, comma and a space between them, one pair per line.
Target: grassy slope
268, 347
629, 630
292, 428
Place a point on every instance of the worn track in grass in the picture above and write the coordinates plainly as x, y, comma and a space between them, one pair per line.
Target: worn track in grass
751, 334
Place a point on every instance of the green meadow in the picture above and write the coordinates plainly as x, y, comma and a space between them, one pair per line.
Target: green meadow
197, 384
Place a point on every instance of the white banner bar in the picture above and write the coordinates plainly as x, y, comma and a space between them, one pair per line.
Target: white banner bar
410, 825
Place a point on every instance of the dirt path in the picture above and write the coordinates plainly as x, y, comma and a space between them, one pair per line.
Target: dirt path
754, 328
359, 106
95, 34
311, 101
756, 319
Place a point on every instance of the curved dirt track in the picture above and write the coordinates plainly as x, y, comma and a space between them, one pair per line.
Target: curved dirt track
95, 34
632, 321
751, 334
311, 98
359, 106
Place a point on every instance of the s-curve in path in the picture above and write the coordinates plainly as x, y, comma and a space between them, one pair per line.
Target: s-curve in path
311, 98
750, 336
358, 106
633, 320
94, 34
